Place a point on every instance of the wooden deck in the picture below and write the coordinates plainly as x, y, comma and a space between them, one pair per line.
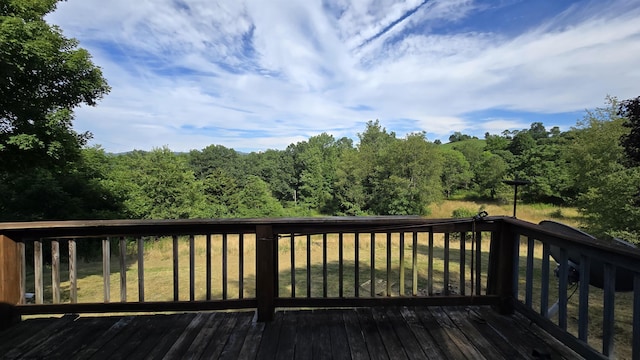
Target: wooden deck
363, 333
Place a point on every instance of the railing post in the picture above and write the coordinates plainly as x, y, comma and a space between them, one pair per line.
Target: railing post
501, 261
266, 271
9, 271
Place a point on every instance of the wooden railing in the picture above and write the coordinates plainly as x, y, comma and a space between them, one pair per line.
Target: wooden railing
315, 262
605, 317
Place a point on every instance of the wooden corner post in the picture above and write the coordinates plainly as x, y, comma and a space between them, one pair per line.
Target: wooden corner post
501, 267
266, 271
9, 271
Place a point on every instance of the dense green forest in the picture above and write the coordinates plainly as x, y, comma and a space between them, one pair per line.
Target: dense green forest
382, 174
47, 172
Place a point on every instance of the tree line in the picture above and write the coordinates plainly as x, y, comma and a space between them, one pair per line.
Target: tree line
588, 166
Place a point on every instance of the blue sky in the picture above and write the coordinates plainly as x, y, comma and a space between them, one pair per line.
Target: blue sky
262, 74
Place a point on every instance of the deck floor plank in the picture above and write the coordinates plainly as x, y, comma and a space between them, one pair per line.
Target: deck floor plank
407, 338
220, 337
507, 342
456, 335
363, 333
181, 345
390, 340
462, 320
538, 337
236, 340
371, 334
426, 341
441, 337
89, 329
16, 348
126, 341
304, 328
355, 338
172, 334
287, 341
320, 336
156, 336
204, 336
251, 343
270, 336
22, 332
338, 335
43, 339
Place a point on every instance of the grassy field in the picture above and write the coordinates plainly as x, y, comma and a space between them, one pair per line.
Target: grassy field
159, 287
528, 212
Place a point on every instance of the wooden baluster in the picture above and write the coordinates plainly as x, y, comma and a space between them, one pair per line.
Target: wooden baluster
463, 240
225, 266
414, 265
209, 266
276, 244
583, 310
22, 259
356, 261
401, 256
562, 288
140, 242
388, 264
308, 266
55, 271
38, 271
324, 266
544, 291
192, 268
478, 269
292, 247
341, 265
446, 264
608, 310
176, 284
106, 269
529, 274
73, 272
241, 266
430, 264
515, 281
373, 265
123, 269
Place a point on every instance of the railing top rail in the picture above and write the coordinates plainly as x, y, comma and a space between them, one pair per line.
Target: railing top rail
97, 228
601, 247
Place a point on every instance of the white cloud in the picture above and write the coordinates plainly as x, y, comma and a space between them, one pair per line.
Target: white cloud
293, 69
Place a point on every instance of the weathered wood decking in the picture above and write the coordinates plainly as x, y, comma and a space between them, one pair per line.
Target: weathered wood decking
363, 333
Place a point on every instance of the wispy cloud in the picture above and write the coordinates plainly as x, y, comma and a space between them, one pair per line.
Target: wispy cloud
261, 74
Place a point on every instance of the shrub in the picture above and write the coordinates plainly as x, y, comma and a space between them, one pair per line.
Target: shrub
463, 213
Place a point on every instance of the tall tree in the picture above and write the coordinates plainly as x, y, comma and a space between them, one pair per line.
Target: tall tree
319, 160
255, 200
414, 168
212, 158
348, 187
595, 150
43, 76
630, 110
522, 142
456, 172
159, 185
490, 171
